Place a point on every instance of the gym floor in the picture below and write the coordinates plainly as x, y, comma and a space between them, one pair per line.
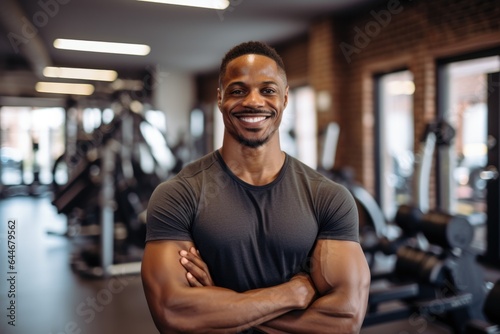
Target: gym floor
51, 299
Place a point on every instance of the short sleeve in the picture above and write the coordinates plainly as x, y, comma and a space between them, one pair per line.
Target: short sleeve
170, 211
337, 213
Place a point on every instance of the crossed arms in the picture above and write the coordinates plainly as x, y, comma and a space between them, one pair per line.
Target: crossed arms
182, 299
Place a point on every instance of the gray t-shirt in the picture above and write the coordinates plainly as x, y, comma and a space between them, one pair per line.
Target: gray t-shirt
251, 236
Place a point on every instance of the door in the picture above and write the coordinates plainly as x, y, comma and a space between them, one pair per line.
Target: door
490, 174
466, 175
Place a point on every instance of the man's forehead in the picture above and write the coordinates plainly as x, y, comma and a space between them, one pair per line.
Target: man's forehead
249, 63
251, 59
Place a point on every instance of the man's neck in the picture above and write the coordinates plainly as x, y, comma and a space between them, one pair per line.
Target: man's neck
256, 166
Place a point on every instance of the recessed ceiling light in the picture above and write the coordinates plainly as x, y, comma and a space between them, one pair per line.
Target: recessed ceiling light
79, 73
104, 47
212, 4
64, 88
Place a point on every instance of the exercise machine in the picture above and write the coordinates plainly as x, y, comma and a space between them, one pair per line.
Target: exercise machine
443, 283
107, 194
373, 224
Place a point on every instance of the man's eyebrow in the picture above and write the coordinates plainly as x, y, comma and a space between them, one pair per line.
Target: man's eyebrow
270, 83
236, 83
243, 84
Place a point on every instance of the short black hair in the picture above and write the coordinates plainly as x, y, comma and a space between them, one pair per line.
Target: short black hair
251, 47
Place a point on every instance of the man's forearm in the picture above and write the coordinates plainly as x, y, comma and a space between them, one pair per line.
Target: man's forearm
309, 321
325, 315
214, 309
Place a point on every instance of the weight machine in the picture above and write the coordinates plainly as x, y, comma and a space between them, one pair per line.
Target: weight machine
443, 283
107, 194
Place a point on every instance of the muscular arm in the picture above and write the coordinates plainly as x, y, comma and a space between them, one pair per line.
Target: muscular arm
342, 278
176, 307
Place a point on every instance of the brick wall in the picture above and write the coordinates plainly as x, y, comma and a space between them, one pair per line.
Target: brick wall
400, 34
341, 55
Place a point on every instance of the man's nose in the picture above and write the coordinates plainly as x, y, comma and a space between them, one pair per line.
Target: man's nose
254, 99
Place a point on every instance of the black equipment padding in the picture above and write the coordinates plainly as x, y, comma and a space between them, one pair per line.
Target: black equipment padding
444, 304
409, 219
491, 307
396, 292
421, 266
78, 188
444, 132
447, 231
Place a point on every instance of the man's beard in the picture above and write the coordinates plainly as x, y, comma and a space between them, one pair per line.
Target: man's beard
252, 143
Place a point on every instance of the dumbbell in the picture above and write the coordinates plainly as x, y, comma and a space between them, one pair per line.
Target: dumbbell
408, 218
447, 231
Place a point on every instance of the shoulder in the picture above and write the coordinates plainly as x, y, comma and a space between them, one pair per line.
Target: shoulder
321, 182
325, 192
188, 179
202, 164
299, 168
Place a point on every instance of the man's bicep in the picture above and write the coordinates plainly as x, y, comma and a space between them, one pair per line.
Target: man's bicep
338, 264
161, 270
342, 278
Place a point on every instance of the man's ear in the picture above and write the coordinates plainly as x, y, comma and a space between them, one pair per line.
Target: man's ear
285, 101
219, 98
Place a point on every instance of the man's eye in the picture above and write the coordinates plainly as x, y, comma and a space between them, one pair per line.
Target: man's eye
236, 92
268, 91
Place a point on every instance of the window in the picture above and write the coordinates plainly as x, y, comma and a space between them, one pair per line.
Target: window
395, 140
464, 106
32, 138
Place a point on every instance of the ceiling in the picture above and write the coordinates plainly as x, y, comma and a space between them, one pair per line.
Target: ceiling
182, 39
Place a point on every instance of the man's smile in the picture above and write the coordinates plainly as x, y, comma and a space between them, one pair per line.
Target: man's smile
252, 119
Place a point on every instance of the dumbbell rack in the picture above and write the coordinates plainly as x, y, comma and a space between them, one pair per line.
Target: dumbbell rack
443, 282
92, 189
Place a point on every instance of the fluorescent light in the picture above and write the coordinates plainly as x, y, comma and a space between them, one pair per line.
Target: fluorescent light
64, 88
212, 4
79, 73
104, 47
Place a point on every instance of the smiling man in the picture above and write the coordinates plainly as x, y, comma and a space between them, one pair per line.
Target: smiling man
249, 239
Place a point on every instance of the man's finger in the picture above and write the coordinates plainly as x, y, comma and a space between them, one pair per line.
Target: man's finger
198, 273
192, 280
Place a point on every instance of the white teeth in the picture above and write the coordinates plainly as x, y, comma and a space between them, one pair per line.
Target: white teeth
252, 119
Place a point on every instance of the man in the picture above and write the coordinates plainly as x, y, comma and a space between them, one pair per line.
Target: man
247, 237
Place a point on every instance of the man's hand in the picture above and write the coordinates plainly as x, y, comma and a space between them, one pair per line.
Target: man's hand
307, 287
199, 275
173, 300
197, 270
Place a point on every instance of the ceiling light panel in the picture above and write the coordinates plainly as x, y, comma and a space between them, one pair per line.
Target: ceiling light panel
64, 88
102, 47
212, 4
79, 73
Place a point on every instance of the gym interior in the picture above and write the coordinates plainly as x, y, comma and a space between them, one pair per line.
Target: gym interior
398, 100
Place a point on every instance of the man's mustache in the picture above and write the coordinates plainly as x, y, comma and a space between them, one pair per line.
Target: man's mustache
247, 111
